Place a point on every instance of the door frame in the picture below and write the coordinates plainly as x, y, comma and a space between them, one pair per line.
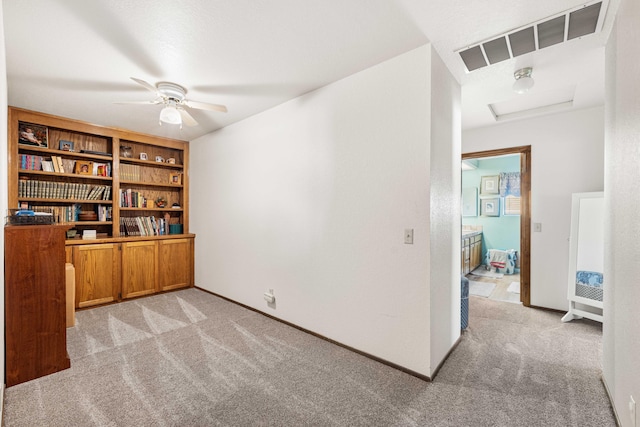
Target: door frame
525, 212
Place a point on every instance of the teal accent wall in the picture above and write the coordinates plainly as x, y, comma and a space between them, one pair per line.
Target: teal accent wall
501, 232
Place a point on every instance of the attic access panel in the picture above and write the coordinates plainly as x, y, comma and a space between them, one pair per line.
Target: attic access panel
560, 28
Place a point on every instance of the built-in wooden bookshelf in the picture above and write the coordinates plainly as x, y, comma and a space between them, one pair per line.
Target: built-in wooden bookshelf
117, 173
131, 188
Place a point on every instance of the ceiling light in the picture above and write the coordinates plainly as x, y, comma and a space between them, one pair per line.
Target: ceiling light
170, 114
524, 82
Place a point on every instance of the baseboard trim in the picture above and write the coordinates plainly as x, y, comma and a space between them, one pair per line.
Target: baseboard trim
444, 359
547, 309
322, 337
613, 406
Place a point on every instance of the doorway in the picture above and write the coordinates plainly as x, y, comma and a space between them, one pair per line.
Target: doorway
525, 212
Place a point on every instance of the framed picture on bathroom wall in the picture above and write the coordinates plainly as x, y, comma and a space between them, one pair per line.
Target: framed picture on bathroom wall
489, 184
490, 207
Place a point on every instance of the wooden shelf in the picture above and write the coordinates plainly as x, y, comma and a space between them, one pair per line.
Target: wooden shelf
90, 223
58, 175
66, 201
150, 184
153, 209
151, 163
72, 154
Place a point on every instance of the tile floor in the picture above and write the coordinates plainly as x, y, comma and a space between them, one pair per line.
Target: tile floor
500, 293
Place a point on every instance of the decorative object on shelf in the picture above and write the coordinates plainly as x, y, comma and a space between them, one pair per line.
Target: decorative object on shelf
490, 207
143, 156
159, 159
175, 206
125, 151
32, 134
490, 184
175, 228
66, 145
175, 178
71, 234
88, 216
84, 167
171, 160
161, 202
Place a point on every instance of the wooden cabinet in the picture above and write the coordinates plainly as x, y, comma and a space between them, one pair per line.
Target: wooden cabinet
466, 254
137, 185
139, 268
97, 274
120, 268
35, 311
471, 250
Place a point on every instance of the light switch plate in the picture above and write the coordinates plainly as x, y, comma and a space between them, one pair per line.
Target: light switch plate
408, 236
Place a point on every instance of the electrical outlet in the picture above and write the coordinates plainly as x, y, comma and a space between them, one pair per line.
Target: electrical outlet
537, 227
408, 236
632, 411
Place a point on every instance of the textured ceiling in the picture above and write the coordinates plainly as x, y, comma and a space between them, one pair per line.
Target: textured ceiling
74, 58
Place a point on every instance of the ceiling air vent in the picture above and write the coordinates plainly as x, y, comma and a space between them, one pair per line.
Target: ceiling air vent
570, 24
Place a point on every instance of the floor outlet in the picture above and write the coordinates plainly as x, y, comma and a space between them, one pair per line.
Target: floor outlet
269, 297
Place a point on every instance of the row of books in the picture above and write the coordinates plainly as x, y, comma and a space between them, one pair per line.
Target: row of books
31, 163
62, 165
70, 213
143, 226
129, 172
133, 199
31, 188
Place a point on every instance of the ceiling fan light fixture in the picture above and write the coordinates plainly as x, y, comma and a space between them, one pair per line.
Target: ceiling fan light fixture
170, 115
524, 81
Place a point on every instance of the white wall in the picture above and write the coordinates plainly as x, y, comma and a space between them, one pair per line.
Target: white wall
311, 199
621, 337
567, 152
445, 210
3, 186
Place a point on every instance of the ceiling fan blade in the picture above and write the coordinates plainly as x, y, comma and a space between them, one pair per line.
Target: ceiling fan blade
156, 101
146, 85
186, 118
205, 106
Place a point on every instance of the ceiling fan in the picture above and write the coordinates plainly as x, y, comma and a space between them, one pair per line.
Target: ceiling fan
173, 97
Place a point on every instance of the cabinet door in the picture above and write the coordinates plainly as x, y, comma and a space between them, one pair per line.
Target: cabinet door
139, 268
175, 263
476, 254
96, 274
466, 253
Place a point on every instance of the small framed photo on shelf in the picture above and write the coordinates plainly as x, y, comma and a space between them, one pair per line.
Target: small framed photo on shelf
490, 184
143, 156
66, 145
32, 134
175, 178
490, 207
84, 167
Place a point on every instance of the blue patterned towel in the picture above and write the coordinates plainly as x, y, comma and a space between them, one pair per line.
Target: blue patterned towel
589, 278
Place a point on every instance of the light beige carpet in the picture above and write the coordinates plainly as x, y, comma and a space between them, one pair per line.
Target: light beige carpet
188, 358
